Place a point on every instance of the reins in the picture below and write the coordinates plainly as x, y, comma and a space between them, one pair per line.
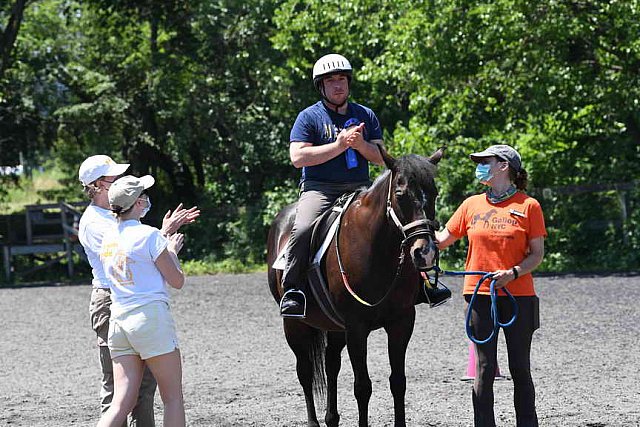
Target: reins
413, 229
345, 280
343, 272
494, 303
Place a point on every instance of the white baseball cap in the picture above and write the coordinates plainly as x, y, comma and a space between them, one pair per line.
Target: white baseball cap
98, 166
124, 192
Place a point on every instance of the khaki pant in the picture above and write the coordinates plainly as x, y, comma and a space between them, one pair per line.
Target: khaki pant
142, 414
314, 199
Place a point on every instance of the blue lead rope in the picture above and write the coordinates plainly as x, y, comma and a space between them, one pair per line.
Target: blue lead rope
494, 304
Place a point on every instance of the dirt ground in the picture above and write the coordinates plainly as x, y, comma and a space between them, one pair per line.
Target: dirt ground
238, 370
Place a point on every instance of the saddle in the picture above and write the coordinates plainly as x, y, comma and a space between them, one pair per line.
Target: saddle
324, 229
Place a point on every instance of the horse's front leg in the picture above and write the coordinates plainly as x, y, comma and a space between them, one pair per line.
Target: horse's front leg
398, 335
333, 360
357, 346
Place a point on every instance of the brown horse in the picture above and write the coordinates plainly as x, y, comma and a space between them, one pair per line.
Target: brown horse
392, 220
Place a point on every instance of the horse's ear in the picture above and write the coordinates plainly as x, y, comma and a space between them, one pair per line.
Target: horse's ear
435, 157
389, 161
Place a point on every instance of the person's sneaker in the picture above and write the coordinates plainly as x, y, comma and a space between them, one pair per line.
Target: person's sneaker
293, 304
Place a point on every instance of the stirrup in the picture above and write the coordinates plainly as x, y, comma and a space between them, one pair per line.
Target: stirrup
438, 304
433, 285
304, 305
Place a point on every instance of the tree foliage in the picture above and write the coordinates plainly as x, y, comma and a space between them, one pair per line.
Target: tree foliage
202, 94
557, 80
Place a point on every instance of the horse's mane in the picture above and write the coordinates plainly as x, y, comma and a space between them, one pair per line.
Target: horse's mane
378, 181
414, 168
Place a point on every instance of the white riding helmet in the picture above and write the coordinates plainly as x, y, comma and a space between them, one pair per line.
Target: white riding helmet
330, 64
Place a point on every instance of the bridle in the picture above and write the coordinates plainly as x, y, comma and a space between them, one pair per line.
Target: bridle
421, 227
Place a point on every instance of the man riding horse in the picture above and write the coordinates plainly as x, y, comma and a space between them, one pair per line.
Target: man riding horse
334, 157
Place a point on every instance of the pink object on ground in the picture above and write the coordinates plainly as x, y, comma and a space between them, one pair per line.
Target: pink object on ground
471, 366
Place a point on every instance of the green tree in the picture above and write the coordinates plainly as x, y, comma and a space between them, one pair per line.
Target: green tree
190, 93
202, 94
558, 80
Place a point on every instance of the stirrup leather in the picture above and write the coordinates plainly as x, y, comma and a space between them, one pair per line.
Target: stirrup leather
304, 305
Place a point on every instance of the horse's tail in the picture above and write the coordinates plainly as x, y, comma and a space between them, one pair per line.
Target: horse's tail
316, 354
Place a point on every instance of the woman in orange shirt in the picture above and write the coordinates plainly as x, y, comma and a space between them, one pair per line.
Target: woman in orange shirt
506, 232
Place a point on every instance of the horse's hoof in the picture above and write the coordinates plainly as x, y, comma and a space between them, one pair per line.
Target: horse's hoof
332, 421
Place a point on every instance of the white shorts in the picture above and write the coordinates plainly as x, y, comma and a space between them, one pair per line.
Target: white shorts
146, 331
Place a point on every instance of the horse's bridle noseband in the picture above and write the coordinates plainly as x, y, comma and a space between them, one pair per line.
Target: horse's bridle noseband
421, 227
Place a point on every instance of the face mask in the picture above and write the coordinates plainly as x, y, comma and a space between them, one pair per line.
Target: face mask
483, 173
147, 209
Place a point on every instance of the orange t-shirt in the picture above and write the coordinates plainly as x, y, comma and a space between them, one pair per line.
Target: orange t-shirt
499, 238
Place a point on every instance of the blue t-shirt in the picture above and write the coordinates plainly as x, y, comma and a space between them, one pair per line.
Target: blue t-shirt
319, 125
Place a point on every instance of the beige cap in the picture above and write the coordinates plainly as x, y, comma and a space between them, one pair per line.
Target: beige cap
125, 191
98, 166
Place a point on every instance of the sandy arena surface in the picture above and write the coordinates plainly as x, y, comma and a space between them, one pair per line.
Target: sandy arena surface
239, 371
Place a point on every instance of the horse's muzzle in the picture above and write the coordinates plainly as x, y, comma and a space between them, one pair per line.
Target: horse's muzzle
424, 253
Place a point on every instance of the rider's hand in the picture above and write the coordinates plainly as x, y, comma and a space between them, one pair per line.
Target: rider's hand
341, 139
351, 137
355, 138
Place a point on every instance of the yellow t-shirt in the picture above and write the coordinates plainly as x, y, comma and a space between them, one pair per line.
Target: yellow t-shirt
499, 238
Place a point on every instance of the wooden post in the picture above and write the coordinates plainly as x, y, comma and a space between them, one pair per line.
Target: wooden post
622, 199
6, 249
28, 225
67, 241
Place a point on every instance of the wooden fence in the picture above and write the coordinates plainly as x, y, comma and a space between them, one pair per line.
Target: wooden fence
42, 229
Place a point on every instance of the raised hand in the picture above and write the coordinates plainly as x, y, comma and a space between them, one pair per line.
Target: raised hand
355, 137
172, 221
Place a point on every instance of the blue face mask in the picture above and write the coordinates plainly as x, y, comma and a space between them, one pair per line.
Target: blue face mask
483, 172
